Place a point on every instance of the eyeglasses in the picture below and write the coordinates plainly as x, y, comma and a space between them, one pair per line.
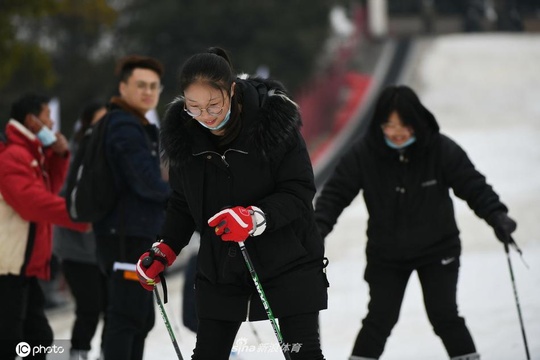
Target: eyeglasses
153, 87
394, 127
194, 111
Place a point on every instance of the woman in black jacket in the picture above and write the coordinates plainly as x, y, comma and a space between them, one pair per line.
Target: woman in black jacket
406, 168
240, 171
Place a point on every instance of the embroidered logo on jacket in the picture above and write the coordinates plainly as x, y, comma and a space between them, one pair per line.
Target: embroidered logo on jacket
447, 261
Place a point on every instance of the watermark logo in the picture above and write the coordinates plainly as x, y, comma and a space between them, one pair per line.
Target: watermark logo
241, 345
23, 349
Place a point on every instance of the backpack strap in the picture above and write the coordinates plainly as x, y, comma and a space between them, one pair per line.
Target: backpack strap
3, 141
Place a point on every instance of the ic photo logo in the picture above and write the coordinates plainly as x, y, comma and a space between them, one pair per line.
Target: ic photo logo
23, 349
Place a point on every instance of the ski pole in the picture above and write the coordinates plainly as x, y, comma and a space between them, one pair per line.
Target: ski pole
264, 301
507, 250
147, 261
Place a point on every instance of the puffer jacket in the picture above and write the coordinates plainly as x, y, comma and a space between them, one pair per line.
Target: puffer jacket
267, 166
407, 193
30, 179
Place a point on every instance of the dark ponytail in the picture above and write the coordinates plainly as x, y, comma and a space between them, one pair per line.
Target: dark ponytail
212, 67
221, 52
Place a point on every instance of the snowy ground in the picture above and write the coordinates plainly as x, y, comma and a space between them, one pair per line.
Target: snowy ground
485, 92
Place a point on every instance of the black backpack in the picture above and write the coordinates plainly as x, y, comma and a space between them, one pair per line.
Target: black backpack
90, 189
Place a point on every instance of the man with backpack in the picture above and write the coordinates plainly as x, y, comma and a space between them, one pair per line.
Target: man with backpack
34, 162
132, 151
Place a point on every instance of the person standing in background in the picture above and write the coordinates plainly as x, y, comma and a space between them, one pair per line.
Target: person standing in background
406, 169
33, 168
132, 150
77, 254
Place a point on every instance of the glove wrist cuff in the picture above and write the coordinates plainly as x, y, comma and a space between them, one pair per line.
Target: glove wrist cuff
163, 250
259, 221
494, 218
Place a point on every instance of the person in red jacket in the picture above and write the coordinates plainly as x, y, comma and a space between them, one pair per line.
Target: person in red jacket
33, 166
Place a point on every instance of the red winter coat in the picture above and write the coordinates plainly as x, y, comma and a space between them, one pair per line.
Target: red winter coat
30, 179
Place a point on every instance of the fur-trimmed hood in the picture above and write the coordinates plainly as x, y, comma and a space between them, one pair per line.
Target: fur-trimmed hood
270, 122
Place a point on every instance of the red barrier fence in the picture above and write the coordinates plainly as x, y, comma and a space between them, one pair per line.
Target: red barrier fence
328, 101
356, 86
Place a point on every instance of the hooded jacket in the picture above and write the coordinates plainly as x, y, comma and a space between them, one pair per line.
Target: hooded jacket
407, 192
30, 178
266, 165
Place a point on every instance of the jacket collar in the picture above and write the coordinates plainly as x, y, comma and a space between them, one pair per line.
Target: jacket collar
18, 134
270, 122
122, 104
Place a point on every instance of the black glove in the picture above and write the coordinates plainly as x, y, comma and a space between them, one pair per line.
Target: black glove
503, 225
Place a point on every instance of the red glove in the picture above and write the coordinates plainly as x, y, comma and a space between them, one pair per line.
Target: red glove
237, 223
152, 263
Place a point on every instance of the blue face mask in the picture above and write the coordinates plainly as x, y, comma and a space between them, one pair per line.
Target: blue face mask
411, 140
46, 136
222, 124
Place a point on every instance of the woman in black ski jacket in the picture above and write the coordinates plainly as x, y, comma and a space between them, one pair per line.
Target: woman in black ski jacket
406, 168
240, 171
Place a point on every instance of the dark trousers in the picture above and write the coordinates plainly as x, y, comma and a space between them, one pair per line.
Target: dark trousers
387, 287
89, 288
130, 308
23, 316
215, 338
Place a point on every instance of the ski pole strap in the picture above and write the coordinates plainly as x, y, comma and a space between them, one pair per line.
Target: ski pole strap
164, 286
516, 247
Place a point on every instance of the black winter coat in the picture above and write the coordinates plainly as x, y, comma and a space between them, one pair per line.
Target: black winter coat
133, 152
267, 166
406, 192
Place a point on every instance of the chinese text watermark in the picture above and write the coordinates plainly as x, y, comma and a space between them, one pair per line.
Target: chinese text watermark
241, 345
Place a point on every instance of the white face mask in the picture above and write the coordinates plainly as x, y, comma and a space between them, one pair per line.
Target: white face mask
46, 136
411, 140
222, 124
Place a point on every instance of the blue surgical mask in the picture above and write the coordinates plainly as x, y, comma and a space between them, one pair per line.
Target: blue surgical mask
46, 136
222, 124
411, 140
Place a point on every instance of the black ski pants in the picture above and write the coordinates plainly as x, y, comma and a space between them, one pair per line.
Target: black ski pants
89, 289
387, 285
130, 308
215, 339
23, 316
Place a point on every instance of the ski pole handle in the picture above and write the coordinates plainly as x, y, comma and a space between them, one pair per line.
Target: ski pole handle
146, 262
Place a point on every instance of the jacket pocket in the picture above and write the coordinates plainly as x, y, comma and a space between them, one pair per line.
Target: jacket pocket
232, 268
279, 249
